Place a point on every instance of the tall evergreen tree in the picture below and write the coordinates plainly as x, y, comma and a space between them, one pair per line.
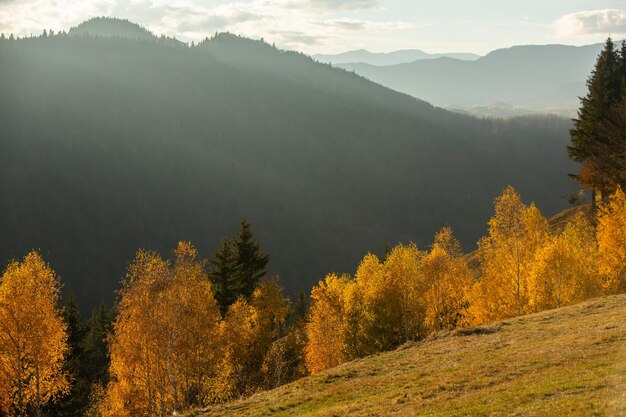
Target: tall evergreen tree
95, 348
621, 67
224, 275
588, 145
73, 403
87, 360
251, 261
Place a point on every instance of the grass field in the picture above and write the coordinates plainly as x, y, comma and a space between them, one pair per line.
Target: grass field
566, 362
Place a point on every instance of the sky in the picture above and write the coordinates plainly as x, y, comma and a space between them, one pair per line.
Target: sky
333, 26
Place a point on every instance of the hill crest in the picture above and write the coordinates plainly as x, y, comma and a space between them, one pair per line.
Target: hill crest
112, 27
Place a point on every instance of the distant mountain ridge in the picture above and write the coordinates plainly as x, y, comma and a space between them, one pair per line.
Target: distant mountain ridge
388, 58
523, 79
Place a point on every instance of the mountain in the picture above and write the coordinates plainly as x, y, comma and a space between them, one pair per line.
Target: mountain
110, 144
112, 27
522, 79
536, 365
388, 58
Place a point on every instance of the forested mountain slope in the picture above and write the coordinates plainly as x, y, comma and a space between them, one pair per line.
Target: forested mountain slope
111, 144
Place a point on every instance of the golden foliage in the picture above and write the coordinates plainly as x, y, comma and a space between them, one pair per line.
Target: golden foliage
171, 349
326, 325
248, 334
611, 235
387, 303
164, 343
448, 280
33, 337
516, 232
564, 270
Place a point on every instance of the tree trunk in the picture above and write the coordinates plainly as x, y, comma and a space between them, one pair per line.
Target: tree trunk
20, 388
38, 391
593, 201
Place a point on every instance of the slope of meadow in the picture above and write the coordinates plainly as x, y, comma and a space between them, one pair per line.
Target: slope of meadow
566, 362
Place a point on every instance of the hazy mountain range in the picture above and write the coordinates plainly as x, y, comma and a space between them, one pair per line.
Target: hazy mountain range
505, 82
109, 144
388, 58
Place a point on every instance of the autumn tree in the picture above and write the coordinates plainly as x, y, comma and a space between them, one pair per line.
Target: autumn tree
236, 335
248, 333
516, 232
326, 325
163, 347
377, 310
384, 305
611, 235
564, 271
447, 281
33, 338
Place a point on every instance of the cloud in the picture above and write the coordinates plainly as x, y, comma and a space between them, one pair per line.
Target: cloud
343, 4
306, 25
31, 17
593, 22
297, 38
358, 24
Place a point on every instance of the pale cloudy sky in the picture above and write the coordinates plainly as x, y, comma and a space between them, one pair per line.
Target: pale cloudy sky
329, 26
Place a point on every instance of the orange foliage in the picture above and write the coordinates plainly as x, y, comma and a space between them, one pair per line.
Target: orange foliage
326, 326
33, 337
164, 342
516, 232
611, 235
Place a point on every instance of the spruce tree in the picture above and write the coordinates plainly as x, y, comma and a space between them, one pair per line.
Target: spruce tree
301, 307
87, 361
74, 402
622, 68
224, 275
588, 145
95, 346
251, 261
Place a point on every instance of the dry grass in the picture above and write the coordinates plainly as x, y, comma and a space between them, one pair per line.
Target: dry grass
567, 362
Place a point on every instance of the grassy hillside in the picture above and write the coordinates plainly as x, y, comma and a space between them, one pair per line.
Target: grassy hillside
567, 362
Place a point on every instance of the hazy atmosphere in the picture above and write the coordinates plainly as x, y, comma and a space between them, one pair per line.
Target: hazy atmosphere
312, 208
331, 26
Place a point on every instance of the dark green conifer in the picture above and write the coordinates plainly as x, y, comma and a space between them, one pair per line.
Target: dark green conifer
588, 144
95, 346
251, 261
224, 275
75, 401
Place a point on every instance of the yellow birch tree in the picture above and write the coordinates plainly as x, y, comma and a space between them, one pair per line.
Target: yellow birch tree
164, 342
447, 280
565, 267
326, 325
516, 232
33, 337
611, 235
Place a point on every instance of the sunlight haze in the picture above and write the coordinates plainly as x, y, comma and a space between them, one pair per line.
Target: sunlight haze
332, 26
